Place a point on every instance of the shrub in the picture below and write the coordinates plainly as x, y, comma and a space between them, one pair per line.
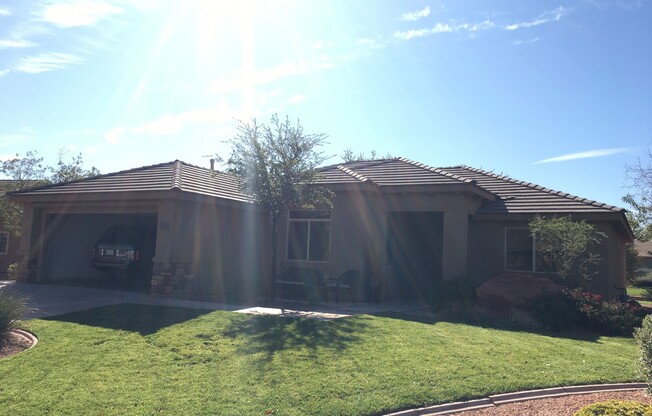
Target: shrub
616, 408
12, 308
574, 308
555, 311
447, 291
15, 271
644, 337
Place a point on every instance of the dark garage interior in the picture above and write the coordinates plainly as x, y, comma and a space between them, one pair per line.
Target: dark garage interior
71, 240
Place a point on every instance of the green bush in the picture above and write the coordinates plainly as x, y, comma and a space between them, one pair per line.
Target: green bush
12, 308
644, 337
577, 309
555, 311
616, 408
15, 271
448, 291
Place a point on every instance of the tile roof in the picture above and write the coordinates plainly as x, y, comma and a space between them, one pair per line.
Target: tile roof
387, 172
513, 196
523, 197
162, 177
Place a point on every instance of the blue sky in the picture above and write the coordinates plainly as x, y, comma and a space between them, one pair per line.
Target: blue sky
556, 93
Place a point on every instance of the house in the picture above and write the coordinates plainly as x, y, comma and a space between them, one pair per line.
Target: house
643, 271
399, 223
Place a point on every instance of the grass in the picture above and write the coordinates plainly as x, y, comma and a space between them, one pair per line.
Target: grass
137, 359
637, 291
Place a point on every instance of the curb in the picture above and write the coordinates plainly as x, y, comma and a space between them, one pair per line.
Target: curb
27, 335
519, 396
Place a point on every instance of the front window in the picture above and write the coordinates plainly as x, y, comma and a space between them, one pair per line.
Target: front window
309, 235
4, 242
521, 253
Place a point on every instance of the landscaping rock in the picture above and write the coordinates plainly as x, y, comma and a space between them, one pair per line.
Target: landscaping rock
509, 290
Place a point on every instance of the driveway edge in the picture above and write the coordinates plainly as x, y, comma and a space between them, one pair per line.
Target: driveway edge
519, 396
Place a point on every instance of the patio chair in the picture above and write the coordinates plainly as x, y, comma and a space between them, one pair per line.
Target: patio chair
345, 281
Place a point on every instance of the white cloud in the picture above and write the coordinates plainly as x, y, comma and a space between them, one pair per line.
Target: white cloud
171, 124
16, 43
412, 16
4, 11
44, 62
242, 80
554, 15
525, 42
549, 16
296, 98
78, 13
438, 28
4, 72
585, 155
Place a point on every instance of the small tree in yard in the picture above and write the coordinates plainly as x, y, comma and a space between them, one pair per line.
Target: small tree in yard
564, 246
277, 164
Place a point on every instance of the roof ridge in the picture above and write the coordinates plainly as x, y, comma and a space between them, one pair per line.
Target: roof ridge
374, 163
544, 189
177, 179
437, 170
355, 174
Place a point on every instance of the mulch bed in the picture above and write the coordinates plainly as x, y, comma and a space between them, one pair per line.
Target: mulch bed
13, 344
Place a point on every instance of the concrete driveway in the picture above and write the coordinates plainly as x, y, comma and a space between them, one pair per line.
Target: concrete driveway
50, 300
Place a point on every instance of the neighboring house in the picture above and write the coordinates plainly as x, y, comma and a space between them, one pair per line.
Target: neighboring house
399, 223
8, 240
643, 270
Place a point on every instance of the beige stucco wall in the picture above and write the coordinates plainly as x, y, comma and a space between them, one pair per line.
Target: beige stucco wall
359, 227
486, 255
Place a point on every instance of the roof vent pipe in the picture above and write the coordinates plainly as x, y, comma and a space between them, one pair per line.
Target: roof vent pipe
212, 164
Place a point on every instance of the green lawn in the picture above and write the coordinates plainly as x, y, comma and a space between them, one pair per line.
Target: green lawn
135, 359
637, 291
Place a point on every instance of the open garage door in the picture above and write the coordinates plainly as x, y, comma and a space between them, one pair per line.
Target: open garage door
72, 238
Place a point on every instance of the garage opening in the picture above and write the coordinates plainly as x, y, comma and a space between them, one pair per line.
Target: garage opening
101, 250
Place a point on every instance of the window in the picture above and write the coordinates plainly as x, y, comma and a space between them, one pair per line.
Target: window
4, 242
309, 235
521, 253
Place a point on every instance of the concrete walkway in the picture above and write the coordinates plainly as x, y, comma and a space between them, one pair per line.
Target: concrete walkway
50, 300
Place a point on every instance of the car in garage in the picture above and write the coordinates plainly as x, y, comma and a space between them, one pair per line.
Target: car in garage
121, 251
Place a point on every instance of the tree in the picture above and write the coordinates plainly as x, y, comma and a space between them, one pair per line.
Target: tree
30, 171
349, 155
277, 164
564, 246
640, 201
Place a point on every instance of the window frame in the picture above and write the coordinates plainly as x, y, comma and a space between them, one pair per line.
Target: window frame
533, 265
308, 221
6, 233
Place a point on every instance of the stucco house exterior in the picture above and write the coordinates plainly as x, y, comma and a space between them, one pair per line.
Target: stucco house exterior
400, 224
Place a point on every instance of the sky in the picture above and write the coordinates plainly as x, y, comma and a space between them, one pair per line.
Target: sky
555, 93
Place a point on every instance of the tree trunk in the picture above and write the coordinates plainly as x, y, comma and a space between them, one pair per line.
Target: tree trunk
272, 291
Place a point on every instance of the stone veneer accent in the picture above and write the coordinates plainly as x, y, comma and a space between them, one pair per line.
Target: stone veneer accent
173, 279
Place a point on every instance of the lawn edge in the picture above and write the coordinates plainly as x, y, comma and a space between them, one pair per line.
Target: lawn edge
514, 397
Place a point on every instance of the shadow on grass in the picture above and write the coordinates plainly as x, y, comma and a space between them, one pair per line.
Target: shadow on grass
144, 319
486, 322
271, 334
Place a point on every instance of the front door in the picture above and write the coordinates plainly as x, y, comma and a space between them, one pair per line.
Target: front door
416, 251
